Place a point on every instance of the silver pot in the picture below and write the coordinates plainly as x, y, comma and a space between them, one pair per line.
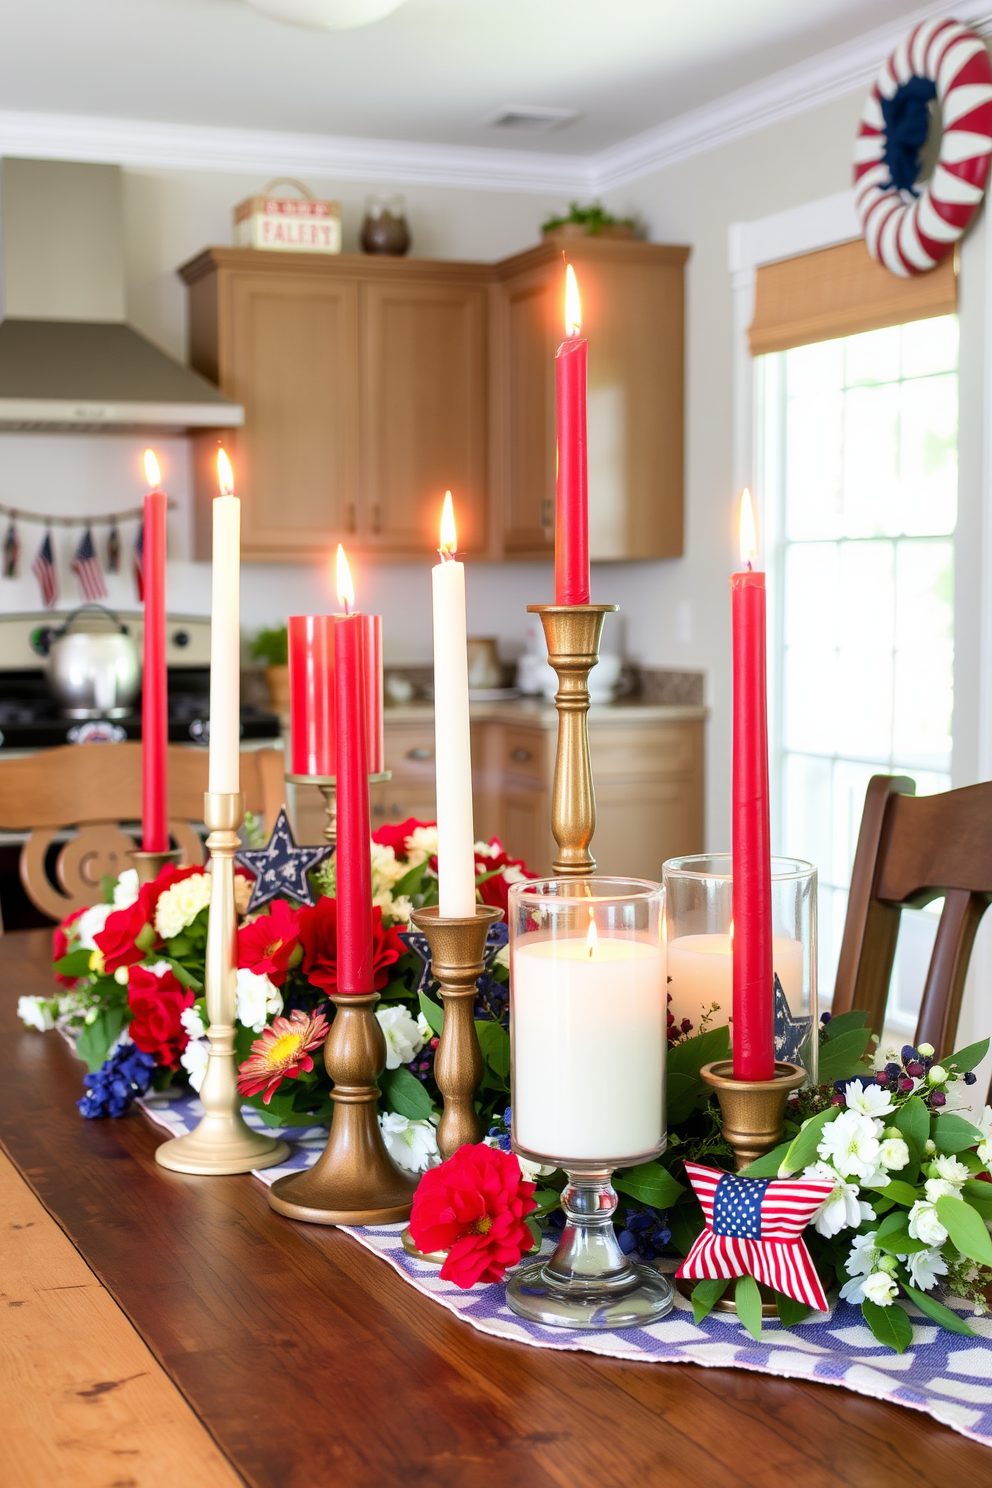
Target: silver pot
94, 670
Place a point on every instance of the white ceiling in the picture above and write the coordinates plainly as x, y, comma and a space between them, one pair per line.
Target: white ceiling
433, 71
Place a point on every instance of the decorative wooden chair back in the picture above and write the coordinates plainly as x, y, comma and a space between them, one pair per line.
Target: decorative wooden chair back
911, 850
93, 788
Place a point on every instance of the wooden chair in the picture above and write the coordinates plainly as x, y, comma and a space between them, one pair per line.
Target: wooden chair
93, 788
911, 850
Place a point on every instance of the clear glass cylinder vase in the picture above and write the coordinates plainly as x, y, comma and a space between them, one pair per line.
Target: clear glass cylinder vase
699, 934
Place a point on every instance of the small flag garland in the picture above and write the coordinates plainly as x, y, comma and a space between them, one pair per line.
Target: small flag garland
86, 567
91, 578
138, 557
754, 1228
43, 569
11, 552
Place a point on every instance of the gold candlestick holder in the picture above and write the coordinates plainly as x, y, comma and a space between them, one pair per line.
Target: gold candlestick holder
573, 633
354, 1181
328, 789
150, 864
457, 960
223, 1142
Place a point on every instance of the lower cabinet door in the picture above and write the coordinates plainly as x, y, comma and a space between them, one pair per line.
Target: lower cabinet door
525, 826
640, 824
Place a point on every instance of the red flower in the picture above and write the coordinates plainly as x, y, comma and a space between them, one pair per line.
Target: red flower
60, 945
395, 837
281, 1052
157, 1002
269, 944
118, 940
496, 890
473, 1207
319, 934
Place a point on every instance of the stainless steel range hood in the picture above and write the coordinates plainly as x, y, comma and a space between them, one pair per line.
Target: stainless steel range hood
68, 358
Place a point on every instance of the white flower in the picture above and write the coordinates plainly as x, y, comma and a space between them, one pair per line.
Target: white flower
36, 1012
531, 1171
192, 1023
486, 850
90, 923
126, 889
984, 1123
424, 1029
950, 1169
984, 1150
402, 908
924, 1267
862, 1259
386, 867
158, 968
257, 999
850, 1143
403, 1036
957, 1096
925, 1051
413, 1144
502, 956
924, 1224
869, 1100
841, 1209
420, 845
179, 905
939, 1188
880, 1288
194, 1061
120, 976
880, 1059
242, 893
937, 1074
893, 1153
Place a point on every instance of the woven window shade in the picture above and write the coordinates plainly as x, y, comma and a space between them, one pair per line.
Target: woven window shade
840, 292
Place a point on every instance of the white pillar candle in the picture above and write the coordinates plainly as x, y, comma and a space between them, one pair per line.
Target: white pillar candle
588, 1047
700, 968
225, 637
452, 743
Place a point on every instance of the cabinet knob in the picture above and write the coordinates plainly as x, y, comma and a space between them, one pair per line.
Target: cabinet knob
420, 753
522, 755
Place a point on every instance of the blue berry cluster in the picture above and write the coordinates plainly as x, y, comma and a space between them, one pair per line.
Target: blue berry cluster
111, 1089
501, 1130
422, 1064
645, 1233
901, 1078
492, 999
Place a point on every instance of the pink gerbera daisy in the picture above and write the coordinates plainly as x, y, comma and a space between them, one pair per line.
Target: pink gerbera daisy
281, 1053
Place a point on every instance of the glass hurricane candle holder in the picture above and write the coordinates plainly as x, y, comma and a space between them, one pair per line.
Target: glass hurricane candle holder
587, 1029
699, 932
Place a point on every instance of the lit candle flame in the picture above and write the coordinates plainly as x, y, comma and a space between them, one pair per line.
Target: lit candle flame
573, 305
225, 475
346, 589
592, 935
449, 537
153, 474
748, 531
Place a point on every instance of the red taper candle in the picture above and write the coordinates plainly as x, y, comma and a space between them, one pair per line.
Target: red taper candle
355, 965
753, 1031
154, 686
572, 488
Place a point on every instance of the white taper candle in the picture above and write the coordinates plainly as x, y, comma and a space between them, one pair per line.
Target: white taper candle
452, 743
225, 636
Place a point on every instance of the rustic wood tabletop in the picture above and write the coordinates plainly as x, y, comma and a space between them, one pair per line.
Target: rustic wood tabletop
310, 1362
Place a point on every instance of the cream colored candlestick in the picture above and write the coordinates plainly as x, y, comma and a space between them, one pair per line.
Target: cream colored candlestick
223, 1142
452, 737
225, 637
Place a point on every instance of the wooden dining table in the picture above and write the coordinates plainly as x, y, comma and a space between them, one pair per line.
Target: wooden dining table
310, 1361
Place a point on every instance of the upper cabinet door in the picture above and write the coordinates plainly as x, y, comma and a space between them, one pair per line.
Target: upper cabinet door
528, 330
424, 346
292, 360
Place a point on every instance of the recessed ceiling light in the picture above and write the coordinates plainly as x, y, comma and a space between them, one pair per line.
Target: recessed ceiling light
531, 116
326, 15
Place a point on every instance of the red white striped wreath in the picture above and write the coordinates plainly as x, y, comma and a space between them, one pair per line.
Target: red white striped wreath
910, 231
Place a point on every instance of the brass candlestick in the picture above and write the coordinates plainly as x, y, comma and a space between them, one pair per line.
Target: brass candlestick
150, 864
326, 785
354, 1181
573, 634
457, 951
223, 1142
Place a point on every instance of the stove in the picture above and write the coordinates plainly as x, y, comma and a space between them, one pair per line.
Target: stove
31, 719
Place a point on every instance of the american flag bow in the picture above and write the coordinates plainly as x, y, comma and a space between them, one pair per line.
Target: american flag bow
45, 572
86, 567
754, 1228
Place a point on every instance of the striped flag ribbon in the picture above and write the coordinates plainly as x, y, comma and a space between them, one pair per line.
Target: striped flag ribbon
86, 567
754, 1228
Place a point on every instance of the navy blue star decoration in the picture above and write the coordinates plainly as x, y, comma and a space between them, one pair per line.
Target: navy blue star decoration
790, 1033
280, 867
416, 941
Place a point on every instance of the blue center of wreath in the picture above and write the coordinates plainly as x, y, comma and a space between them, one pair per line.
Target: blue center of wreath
907, 124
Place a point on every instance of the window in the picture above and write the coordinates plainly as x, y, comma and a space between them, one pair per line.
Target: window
858, 455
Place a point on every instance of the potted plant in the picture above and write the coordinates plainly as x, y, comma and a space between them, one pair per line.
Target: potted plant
272, 647
589, 222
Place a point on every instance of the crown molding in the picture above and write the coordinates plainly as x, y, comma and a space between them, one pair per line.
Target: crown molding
783, 95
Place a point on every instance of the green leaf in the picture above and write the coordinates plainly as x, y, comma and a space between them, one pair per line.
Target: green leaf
705, 1295
748, 1300
843, 1023
899, 1241
688, 1056
841, 1057
651, 1183
802, 1149
966, 1229
536, 1233
913, 1120
791, 1312
768, 1165
682, 1093
890, 1325
686, 1224
95, 1039
433, 1012
968, 1058
403, 1093
951, 1133
900, 1193
75, 964
108, 884
184, 977
494, 1042
979, 1196
936, 1310
547, 1199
